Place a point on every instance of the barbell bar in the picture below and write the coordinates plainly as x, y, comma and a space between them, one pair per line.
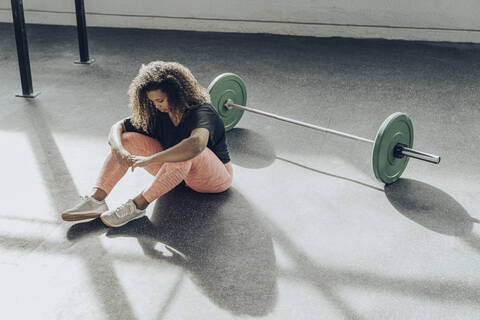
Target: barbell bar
392, 146
400, 150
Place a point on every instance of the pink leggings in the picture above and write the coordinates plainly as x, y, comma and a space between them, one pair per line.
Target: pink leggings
204, 173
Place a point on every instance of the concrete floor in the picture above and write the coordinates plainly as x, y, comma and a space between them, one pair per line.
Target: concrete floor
305, 232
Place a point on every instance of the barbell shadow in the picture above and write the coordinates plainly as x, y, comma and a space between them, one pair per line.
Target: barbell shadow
219, 240
249, 149
431, 208
422, 203
330, 174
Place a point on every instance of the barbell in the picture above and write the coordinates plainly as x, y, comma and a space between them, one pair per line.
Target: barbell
392, 146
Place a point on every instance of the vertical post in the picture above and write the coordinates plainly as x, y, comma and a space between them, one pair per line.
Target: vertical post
82, 33
22, 50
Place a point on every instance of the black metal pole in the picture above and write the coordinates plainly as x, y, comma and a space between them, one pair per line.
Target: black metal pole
82, 33
22, 50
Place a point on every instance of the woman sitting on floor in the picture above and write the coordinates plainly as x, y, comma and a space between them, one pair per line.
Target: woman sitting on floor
173, 133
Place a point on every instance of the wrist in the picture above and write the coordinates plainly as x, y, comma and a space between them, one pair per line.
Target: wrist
120, 149
157, 157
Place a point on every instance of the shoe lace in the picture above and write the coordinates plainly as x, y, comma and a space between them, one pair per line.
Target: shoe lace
83, 197
122, 211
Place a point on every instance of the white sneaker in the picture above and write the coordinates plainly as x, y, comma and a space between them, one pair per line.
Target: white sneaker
122, 215
87, 208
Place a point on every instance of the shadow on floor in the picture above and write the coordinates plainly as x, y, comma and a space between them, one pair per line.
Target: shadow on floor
216, 237
62, 192
330, 280
249, 149
422, 203
433, 209
430, 207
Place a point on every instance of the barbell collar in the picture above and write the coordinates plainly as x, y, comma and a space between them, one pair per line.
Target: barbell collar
230, 104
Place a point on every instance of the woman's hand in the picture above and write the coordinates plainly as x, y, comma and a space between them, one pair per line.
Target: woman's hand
140, 161
115, 141
123, 157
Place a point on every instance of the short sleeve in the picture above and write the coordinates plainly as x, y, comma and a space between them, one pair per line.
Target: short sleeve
206, 117
202, 117
129, 127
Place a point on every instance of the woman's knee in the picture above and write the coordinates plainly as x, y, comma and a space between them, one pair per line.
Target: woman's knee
128, 138
140, 144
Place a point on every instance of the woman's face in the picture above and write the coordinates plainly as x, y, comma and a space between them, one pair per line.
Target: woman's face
159, 99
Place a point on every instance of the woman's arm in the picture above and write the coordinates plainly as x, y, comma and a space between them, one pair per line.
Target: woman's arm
115, 142
115, 135
185, 150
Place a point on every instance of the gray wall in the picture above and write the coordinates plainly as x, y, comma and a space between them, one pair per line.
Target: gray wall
436, 20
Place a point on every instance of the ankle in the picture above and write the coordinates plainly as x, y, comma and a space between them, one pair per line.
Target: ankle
140, 206
98, 194
140, 202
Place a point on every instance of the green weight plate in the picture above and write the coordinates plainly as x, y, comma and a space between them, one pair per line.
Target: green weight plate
228, 86
397, 128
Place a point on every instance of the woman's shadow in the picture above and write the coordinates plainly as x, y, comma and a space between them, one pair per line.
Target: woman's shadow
217, 237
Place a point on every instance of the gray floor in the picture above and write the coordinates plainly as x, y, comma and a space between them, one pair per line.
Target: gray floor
305, 232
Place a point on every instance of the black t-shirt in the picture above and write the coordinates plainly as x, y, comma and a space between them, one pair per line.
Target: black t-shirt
203, 116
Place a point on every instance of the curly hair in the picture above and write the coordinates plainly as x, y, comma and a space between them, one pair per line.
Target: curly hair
175, 80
